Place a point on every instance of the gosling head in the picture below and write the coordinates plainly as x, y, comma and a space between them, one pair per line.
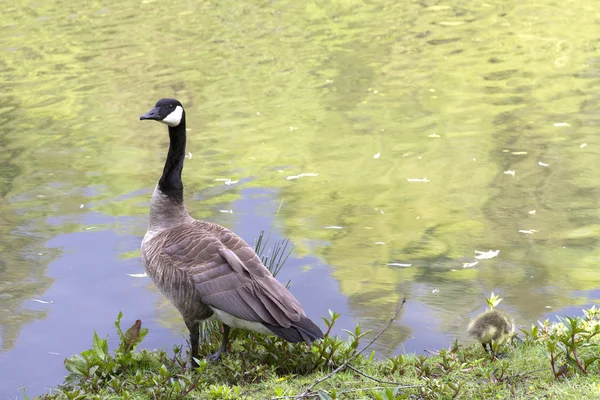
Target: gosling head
168, 111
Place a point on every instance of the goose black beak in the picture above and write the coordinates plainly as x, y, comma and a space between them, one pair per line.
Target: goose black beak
152, 114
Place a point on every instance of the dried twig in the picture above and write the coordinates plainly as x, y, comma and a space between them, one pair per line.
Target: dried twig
360, 389
306, 393
358, 371
191, 387
369, 388
316, 394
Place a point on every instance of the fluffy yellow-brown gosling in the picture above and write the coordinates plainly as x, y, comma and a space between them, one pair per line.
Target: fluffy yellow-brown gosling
492, 325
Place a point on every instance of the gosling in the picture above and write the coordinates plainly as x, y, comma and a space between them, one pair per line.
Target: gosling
492, 325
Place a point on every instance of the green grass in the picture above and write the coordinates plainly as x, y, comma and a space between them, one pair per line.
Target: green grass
458, 372
555, 361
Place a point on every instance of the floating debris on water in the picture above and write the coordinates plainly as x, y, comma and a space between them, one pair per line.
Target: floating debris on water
528, 231
434, 135
289, 178
561, 124
471, 264
451, 23
418, 179
435, 291
333, 227
377, 155
583, 145
89, 228
230, 211
293, 128
379, 243
484, 255
142, 275
532, 212
510, 172
42, 301
543, 164
81, 206
226, 181
54, 353
518, 153
189, 155
399, 265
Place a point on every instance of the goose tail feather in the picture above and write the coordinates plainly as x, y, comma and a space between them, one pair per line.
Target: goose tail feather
302, 331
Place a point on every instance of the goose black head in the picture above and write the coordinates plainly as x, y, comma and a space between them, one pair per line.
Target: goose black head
168, 111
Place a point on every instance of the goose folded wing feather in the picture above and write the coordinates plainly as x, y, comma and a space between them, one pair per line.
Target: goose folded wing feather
232, 279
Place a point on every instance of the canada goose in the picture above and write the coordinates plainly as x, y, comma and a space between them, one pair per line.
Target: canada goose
206, 270
492, 325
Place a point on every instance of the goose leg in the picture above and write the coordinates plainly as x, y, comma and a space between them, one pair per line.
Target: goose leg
223, 349
194, 328
485, 348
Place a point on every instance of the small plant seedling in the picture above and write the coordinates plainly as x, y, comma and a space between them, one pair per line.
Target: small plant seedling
493, 300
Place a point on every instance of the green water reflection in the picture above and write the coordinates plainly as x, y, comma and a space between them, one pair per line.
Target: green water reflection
374, 97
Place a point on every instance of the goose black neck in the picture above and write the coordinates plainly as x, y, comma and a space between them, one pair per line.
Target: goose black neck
170, 181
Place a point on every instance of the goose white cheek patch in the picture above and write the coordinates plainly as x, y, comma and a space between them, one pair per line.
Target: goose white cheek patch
174, 118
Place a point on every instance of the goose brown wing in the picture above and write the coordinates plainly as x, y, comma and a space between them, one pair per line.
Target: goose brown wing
229, 276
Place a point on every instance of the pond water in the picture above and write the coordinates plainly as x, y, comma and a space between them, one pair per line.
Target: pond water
418, 133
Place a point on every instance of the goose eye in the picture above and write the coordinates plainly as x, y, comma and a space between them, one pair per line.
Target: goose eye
170, 106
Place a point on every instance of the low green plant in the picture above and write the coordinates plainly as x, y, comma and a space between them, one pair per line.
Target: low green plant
390, 393
568, 343
532, 335
455, 372
422, 366
224, 392
493, 300
97, 364
396, 365
275, 258
439, 388
253, 359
